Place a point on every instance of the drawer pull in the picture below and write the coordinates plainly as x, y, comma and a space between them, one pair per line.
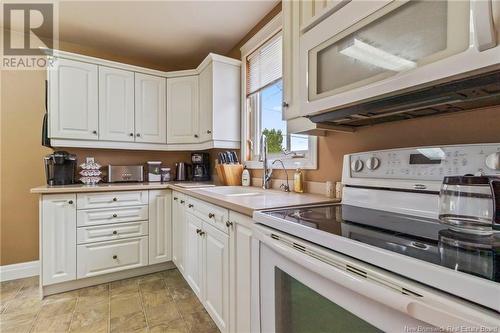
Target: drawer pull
182, 201
115, 215
198, 231
211, 215
175, 198
229, 224
115, 257
70, 202
202, 233
115, 232
115, 199
190, 206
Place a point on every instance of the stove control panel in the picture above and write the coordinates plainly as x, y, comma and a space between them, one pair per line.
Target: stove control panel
427, 163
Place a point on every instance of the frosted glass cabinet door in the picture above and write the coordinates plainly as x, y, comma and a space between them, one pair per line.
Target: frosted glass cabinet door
396, 37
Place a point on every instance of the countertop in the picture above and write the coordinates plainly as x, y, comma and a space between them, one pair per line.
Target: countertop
244, 204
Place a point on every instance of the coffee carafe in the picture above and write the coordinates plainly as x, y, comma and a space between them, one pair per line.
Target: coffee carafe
60, 168
470, 204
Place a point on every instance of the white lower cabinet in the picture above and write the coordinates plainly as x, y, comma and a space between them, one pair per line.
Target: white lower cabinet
160, 226
216, 275
240, 264
113, 256
58, 235
194, 255
178, 230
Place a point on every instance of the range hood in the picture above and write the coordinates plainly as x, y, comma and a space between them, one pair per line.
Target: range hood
459, 95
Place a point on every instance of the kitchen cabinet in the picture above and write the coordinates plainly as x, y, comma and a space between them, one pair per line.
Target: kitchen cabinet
72, 100
194, 254
240, 238
116, 104
183, 110
160, 226
220, 101
150, 109
58, 238
216, 274
178, 231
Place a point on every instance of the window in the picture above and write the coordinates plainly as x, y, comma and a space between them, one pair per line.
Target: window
263, 114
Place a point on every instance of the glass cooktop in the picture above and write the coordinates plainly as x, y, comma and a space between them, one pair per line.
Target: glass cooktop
420, 238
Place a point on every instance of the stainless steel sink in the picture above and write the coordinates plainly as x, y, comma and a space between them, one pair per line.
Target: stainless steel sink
234, 191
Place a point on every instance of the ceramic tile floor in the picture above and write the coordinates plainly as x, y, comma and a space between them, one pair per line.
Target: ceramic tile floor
160, 302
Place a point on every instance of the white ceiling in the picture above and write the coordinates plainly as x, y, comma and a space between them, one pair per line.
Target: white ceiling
168, 34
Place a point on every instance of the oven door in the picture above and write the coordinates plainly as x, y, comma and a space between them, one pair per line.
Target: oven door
299, 287
376, 48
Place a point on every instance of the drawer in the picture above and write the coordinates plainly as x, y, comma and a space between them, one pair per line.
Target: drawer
110, 232
212, 214
111, 199
113, 256
111, 215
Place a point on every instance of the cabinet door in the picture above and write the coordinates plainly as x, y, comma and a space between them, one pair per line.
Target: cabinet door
240, 272
116, 104
58, 238
194, 255
160, 226
73, 105
182, 110
178, 231
216, 275
150, 109
206, 103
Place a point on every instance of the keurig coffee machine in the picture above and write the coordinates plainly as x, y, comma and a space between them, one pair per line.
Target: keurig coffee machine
60, 168
201, 166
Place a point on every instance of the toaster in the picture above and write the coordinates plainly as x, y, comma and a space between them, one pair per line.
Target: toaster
125, 173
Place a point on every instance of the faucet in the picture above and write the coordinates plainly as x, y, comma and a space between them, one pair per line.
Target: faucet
285, 187
267, 172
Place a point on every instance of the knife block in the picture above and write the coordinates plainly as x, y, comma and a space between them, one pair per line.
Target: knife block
229, 174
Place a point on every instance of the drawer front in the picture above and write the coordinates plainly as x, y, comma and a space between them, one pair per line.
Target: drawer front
111, 215
108, 257
111, 232
212, 214
111, 199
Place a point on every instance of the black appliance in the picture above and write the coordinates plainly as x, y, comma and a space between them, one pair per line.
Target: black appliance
60, 168
201, 166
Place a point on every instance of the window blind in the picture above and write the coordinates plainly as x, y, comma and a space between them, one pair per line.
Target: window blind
264, 65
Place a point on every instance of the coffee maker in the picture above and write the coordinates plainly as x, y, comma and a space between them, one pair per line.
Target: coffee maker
60, 168
201, 166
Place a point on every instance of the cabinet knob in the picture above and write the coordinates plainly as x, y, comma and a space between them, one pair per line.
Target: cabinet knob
198, 231
115, 232
196, 135
114, 215
211, 215
175, 198
182, 201
70, 202
202, 233
229, 224
209, 132
115, 199
94, 132
285, 104
131, 134
115, 257
190, 206
138, 134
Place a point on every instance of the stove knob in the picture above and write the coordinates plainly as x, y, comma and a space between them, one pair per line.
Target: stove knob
372, 163
357, 165
493, 161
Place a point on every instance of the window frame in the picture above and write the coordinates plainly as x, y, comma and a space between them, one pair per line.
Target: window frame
270, 30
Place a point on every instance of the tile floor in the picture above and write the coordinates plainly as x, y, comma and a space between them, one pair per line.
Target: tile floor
160, 302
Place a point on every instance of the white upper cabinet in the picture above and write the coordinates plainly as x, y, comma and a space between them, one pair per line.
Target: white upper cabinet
182, 109
116, 104
220, 101
150, 111
73, 105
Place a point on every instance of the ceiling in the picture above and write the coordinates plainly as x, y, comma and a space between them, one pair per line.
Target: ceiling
165, 34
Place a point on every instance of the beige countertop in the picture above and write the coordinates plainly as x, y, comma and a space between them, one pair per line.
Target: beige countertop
245, 204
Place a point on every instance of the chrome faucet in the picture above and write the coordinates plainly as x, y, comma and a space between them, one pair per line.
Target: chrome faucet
267, 172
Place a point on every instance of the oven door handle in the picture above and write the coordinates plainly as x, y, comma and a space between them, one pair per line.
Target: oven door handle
433, 309
484, 27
